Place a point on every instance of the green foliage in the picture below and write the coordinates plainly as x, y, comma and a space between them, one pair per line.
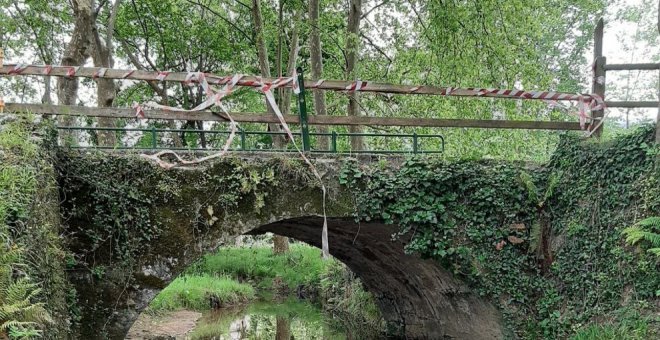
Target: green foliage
343, 295
194, 291
21, 315
645, 231
627, 323
464, 214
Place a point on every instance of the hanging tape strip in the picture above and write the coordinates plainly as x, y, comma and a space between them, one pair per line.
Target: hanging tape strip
139, 111
99, 72
162, 75
273, 104
47, 70
71, 71
18, 69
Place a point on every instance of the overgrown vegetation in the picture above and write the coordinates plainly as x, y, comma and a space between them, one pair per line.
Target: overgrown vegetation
550, 254
32, 284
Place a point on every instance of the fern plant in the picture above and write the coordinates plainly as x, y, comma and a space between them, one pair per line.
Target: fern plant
646, 231
20, 317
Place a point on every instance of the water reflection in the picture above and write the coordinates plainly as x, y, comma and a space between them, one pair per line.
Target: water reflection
268, 320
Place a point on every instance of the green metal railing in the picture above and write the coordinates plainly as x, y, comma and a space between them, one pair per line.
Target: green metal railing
305, 136
417, 140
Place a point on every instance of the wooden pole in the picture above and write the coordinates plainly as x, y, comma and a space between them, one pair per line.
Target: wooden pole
247, 117
598, 82
633, 67
252, 81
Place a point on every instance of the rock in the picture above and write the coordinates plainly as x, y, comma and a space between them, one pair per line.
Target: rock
515, 240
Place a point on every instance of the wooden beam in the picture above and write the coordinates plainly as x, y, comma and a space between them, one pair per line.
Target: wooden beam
252, 81
632, 67
632, 104
291, 119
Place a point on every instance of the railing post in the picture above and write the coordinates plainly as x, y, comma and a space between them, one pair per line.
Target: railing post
415, 142
598, 81
302, 108
154, 143
243, 141
334, 142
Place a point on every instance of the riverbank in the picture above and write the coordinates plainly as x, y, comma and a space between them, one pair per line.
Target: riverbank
251, 283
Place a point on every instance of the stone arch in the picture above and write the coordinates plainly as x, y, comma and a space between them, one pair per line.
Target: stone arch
417, 295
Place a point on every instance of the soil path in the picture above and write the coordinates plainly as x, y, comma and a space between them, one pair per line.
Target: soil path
172, 325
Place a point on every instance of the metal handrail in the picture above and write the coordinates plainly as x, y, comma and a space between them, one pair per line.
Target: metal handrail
244, 134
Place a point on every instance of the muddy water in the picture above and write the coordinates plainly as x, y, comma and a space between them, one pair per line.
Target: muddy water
260, 320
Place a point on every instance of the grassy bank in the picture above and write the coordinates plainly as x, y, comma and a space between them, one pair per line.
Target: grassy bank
196, 292
301, 266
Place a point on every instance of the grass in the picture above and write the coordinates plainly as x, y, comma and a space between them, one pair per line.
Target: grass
614, 332
628, 323
303, 265
193, 292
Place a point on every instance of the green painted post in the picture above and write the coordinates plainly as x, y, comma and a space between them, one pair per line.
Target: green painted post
302, 108
154, 143
414, 142
334, 142
243, 142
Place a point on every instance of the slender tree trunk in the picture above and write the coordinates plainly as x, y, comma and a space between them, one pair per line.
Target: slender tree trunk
657, 124
317, 68
102, 55
280, 35
280, 244
264, 65
282, 328
75, 54
46, 99
291, 65
352, 47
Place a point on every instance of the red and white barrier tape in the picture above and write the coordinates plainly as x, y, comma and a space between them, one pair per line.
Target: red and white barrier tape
214, 98
270, 98
585, 102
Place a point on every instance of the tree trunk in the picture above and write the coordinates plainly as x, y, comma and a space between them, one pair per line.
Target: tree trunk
291, 65
262, 52
657, 124
75, 54
282, 328
352, 46
46, 99
280, 244
106, 90
317, 69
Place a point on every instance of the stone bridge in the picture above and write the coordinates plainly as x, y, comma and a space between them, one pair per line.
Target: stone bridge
134, 227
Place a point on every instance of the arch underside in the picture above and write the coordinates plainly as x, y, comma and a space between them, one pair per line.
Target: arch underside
416, 295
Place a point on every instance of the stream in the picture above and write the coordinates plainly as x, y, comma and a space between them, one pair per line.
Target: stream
289, 319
